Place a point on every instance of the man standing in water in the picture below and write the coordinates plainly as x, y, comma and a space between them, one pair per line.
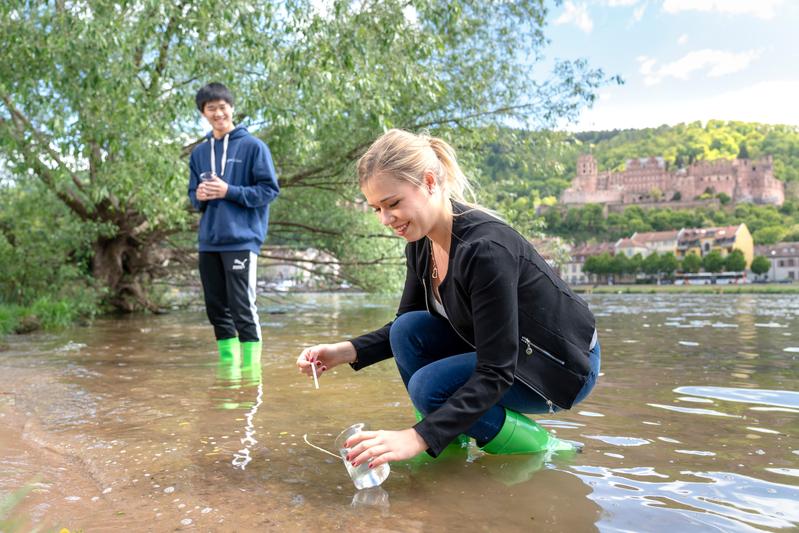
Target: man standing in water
232, 181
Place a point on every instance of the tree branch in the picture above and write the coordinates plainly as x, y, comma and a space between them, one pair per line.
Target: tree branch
22, 122
163, 55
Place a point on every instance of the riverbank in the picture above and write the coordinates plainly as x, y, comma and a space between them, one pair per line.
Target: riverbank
749, 288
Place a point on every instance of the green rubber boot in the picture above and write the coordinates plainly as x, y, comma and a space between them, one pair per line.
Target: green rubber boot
461, 442
229, 348
520, 435
251, 361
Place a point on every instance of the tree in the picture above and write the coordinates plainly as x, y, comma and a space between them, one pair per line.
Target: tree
669, 264
600, 265
96, 107
769, 235
743, 151
651, 264
735, 261
713, 262
691, 263
760, 265
636, 263
620, 265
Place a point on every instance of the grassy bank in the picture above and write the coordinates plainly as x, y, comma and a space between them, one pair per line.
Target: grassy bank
752, 288
44, 313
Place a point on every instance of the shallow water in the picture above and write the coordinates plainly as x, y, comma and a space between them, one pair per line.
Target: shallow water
134, 422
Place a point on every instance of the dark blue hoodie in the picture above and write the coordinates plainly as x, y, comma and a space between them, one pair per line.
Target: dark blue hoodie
238, 221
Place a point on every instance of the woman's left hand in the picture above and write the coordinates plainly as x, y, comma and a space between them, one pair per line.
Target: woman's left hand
378, 447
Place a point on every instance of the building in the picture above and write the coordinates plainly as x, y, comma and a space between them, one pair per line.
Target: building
649, 242
699, 241
702, 241
784, 259
648, 182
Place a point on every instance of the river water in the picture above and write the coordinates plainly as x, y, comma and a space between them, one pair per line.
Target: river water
135, 423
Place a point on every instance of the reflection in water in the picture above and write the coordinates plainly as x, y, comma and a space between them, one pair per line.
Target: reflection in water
371, 497
241, 375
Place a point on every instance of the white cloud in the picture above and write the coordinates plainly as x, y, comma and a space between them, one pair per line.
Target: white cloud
715, 62
682, 39
616, 3
764, 9
576, 14
770, 102
638, 12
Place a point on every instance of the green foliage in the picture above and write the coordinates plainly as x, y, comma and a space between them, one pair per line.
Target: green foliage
713, 261
601, 264
684, 144
10, 316
669, 264
691, 263
44, 249
735, 261
760, 265
8, 502
102, 113
769, 234
651, 264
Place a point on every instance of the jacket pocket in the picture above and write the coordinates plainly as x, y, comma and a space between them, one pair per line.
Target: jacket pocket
548, 374
531, 348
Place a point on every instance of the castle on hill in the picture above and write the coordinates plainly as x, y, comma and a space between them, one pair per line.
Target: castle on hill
647, 181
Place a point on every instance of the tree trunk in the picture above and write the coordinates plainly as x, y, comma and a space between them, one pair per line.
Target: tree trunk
126, 266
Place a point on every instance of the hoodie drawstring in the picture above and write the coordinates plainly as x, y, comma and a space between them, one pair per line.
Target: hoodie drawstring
224, 154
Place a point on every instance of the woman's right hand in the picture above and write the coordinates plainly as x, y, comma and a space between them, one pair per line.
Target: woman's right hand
325, 357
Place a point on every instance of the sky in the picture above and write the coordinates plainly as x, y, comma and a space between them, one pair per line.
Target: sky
683, 60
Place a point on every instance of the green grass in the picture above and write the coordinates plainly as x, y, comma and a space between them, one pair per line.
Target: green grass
751, 288
45, 313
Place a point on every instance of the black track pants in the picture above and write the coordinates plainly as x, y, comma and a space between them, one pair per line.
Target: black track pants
228, 280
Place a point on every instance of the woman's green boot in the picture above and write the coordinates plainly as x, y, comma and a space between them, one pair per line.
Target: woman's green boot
460, 443
520, 435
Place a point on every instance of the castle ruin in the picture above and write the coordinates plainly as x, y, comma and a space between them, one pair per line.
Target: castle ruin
647, 181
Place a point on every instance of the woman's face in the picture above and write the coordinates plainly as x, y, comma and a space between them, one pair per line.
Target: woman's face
408, 209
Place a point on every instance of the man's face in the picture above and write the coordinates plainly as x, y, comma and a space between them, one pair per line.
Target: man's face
219, 115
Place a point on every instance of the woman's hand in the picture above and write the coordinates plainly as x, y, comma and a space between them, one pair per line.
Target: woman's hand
378, 447
325, 357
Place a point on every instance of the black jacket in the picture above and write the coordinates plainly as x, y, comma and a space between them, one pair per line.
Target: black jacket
502, 298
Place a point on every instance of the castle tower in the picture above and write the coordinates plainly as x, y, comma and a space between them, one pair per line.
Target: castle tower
586, 173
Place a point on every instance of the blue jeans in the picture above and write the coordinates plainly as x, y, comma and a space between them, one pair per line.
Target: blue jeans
434, 362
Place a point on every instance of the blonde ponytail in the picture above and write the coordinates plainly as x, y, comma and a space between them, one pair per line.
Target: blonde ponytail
456, 182
407, 156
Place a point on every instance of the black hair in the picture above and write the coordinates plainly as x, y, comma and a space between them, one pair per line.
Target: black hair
211, 92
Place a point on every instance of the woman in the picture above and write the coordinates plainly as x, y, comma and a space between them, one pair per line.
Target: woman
485, 329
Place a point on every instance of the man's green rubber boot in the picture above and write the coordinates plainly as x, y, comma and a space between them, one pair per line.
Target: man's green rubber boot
520, 435
229, 348
251, 361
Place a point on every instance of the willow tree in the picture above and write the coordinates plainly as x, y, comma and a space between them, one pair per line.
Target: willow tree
96, 107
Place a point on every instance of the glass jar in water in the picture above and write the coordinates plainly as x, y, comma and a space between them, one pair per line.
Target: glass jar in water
362, 476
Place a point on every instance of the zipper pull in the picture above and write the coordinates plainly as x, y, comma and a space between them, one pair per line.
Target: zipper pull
551, 409
529, 349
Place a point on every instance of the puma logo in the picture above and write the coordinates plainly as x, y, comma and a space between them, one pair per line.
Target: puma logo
239, 264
